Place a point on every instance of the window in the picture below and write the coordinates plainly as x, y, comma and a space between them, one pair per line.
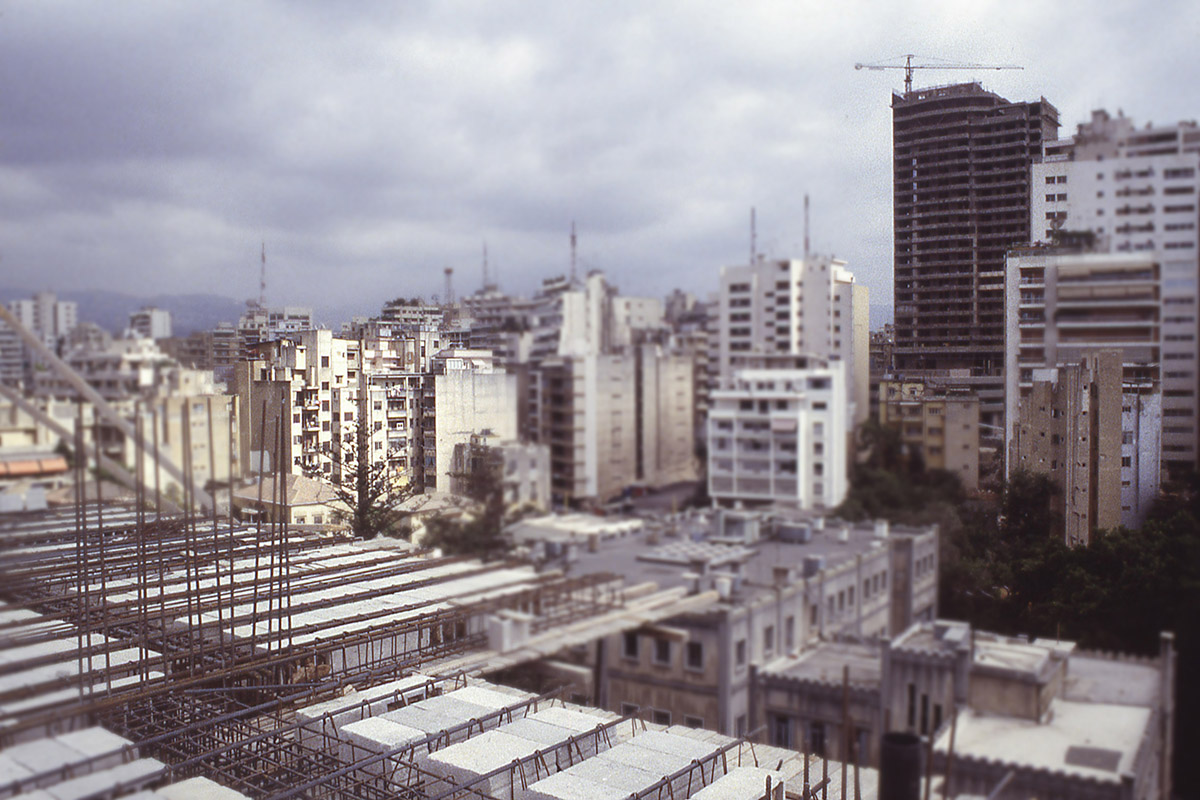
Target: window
694, 655
662, 651
660, 717
741, 653
739, 727
324, 361
781, 731
693, 722
628, 709
816, 738
850, 596
630, 647
768, 638
789, 633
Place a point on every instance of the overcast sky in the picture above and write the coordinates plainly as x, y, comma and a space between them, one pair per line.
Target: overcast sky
152, 146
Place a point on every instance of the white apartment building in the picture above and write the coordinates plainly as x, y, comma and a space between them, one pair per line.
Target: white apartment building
778, 435
151, 323
1136, 190
798, 307
46, 316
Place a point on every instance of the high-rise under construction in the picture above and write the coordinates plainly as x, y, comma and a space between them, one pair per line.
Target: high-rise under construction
961, 166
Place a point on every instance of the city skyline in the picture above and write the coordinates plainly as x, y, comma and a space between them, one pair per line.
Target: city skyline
153, 149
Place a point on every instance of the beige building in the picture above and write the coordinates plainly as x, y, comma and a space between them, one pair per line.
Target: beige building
1077, 426
943, 426
666, 441
295, 499
198, 433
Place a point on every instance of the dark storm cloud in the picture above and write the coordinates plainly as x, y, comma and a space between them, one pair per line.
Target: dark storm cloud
155, 145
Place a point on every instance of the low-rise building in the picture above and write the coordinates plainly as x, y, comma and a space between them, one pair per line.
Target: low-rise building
1067, 723
294, 499
784, 582
942, 426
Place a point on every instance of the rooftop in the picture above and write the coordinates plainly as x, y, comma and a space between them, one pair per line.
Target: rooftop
1094, 740
825, 662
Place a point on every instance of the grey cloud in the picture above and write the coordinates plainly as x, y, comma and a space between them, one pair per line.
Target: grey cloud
154, 145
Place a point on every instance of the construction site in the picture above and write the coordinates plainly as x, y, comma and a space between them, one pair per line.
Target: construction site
140, 650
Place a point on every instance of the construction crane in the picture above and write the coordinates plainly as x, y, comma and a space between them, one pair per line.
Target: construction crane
908, 66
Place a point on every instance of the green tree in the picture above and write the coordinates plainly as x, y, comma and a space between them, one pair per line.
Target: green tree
476, 527
370, 492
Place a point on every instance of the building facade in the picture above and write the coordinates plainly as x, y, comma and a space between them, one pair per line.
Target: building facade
780, 436
785, 584
1134, 190
1099, 444
796, 307
1065, 307
943, 427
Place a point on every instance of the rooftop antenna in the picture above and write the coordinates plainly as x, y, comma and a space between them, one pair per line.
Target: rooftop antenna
573, 243
806, 226
262, 278
753, 238
449, 286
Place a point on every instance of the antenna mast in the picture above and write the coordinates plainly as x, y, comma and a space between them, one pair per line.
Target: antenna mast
753, 238
449, 286
573, 242
806, 226
262, 278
